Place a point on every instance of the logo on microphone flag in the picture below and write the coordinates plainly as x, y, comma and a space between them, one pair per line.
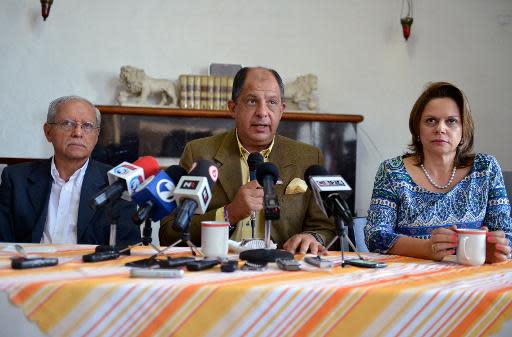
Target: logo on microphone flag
164, 189
213, 172
135, 182
189, 184
124, 168
205, 195
332, 183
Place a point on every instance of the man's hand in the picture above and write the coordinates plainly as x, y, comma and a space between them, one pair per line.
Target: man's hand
249, 198
498, 248
302, 243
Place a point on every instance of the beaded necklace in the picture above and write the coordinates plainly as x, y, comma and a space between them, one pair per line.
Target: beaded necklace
429, 178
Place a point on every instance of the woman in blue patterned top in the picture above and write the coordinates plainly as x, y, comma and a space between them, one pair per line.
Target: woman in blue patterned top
420, 198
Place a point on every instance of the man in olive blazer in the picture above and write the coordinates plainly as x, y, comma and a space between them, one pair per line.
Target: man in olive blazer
257, 108
299, 212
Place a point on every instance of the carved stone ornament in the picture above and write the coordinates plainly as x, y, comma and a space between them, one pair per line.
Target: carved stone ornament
137, 88
299, 94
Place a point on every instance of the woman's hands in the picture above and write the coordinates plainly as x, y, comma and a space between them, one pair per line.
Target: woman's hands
497, 247
443, 242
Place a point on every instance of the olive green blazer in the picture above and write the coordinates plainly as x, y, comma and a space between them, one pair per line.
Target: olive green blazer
299, 212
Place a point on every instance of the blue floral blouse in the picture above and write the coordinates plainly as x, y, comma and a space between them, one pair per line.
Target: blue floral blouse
399, 207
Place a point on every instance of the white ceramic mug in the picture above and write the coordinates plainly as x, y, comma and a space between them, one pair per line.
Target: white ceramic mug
471, 246
214, 238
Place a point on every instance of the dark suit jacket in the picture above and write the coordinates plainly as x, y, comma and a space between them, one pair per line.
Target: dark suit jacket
24, 196
299, 212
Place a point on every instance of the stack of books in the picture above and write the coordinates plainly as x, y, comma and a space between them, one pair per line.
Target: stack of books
203, 92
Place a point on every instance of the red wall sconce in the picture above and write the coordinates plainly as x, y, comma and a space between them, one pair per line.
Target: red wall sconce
406, 18
45, 8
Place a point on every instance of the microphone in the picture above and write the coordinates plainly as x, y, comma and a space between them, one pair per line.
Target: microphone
193, 193
330, 192
267, 175
124, 179
155, 195
254, 160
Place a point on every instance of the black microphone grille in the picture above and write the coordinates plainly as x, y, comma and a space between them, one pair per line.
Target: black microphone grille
175, 172
254, 160
314, 170
266, 169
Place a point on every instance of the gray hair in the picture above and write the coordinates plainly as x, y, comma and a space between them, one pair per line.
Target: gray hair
54, 106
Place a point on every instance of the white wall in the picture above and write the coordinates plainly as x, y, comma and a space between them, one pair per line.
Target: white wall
354, 46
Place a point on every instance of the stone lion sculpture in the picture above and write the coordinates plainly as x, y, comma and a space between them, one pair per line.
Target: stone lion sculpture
300, 92
137, 83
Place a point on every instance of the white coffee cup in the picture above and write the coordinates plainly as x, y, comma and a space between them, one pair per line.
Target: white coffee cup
214, 238
471, 246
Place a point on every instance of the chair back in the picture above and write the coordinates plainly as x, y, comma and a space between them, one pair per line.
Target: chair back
359, 223
2, 166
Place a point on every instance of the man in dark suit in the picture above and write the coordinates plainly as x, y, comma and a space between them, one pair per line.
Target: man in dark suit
257, 108
47, 201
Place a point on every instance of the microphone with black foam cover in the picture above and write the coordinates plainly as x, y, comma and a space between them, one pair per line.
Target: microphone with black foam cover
330, 192
124, 180
155, 195
194, 193
254, 160
267, 175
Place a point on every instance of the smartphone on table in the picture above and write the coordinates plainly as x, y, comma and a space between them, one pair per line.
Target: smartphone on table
317, 261
365, 263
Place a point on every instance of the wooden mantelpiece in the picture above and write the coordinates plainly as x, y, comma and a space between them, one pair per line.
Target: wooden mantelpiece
174, 112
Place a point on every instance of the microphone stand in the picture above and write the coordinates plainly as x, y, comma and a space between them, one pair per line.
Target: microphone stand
144, 217
185, 213
265, 255
185, 237
268, 224
146, 232
271, 207
112, 211
113, 215
141, 216
146, 240
341, 233
253, 223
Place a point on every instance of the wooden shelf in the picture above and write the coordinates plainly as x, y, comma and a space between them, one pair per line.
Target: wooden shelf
174, 112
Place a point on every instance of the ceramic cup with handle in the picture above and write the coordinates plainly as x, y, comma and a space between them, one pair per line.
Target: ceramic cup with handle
471, 246
214, 238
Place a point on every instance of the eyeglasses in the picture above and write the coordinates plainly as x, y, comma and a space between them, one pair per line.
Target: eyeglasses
67, 125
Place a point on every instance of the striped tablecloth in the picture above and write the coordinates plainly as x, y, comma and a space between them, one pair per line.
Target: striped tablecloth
410, 297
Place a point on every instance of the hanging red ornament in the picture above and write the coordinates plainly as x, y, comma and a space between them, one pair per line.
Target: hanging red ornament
406, 18
406, 26
45, 8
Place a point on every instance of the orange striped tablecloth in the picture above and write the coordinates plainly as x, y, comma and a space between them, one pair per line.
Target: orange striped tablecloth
410, 297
